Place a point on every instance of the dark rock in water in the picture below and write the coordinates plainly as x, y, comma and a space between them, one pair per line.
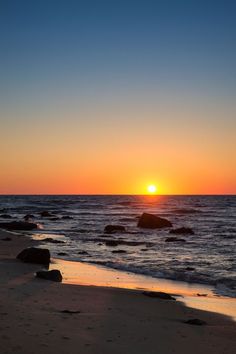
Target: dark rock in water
186, 211
18, 225
28, 217
119, 251
53, 275
6, 239
124, 242
70, 312
189, 268
35, 255
112, 243
67, 217
51, 240
182, 231
62, 254
109, 229
174, 239
150, 221
5, 216
83, 253
4, 210
195, 321
46, 214
159, 295
201, 294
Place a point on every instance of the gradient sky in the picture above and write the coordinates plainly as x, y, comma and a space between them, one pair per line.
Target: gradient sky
109, 96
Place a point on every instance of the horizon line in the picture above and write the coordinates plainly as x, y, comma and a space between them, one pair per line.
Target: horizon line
111, 194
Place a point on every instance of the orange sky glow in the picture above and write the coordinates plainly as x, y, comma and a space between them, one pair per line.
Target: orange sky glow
62, 155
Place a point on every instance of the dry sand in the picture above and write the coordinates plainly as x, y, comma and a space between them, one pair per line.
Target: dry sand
109, 320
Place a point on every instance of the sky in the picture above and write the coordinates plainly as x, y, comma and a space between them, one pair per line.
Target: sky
107, 97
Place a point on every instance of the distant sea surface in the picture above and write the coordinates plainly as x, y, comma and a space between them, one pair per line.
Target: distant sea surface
207, 257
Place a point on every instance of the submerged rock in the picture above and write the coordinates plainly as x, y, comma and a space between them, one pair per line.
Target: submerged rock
34, 255
70, 312
119, 251
111, 243
53, 275
186, 211
51, 240
174, 239
46, 214
85, 253
18, 225
158, 295
28, 217
6, 216
182, 231
124, 242
109, 229
62, 254
190, 269
151, 221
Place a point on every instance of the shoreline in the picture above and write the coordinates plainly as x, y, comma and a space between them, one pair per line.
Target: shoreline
109, 319
196, 296
92, 274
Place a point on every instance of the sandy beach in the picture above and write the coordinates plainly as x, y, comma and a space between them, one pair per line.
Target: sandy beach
108, 320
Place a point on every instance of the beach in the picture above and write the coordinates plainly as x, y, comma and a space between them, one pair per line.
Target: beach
40, 316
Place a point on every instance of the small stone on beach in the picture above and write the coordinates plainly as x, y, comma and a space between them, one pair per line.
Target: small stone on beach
196, 322
158, 295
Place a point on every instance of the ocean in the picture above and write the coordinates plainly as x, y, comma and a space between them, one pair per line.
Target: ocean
206, 257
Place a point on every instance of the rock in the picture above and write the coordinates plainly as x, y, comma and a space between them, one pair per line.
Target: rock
111, 243
158, 295
62, 254
195, 321
204, 295
119, 251
174, 239
28, 217
18, 225
35, 255
51, 240
46, 214
150, 221
185, 211
67, 217
83, 253
124, 242
109, 229
53, 275
189, 268
70, 312
182, 231
5, 216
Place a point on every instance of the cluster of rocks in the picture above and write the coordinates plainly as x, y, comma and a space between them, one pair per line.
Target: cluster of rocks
148, 221
40, 256
28, 224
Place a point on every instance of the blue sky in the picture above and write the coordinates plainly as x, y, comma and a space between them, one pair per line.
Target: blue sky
106, 45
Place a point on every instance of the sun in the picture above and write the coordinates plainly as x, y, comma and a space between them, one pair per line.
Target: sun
151, 189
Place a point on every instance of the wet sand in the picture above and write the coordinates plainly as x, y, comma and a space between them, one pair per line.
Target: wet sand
109, 320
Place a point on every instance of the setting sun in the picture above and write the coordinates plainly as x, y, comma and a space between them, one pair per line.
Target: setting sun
152, 189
